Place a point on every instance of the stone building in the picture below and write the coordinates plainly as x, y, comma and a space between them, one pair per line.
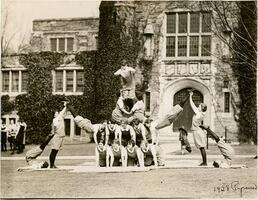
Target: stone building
181, 39
177, 37
62, 35
68, 35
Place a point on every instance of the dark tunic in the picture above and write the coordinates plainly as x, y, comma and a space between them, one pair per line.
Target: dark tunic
148, 158
102, 158
111, 136
126, 136
132, 157
101, 135
117, 157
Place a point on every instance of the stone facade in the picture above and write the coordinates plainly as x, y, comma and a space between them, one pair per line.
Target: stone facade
206, 74
210, 75
84, 32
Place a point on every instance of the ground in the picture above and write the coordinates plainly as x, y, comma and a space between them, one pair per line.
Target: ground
158, 183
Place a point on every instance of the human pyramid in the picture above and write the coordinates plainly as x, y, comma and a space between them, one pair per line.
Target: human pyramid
129, 138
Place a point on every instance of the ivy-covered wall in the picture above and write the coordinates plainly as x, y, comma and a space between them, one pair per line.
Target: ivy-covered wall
6, 105
246, 71
38, 105
114, 46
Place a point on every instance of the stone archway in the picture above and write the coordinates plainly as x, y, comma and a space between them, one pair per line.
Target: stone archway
173, 87
185, 119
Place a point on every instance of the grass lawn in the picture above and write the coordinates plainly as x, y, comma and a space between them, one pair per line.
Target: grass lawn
159, 183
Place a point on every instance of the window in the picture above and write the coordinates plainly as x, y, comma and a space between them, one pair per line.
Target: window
206, 45
170, 46
24, 81
61, 44
182, 23
226, 102
69, 81
14, 81
206, 22
194, 22
53, 43
188, 34
59, 81
79, 81
147, 101
171, 23
69, 44
182, 43
5, 81
194, 45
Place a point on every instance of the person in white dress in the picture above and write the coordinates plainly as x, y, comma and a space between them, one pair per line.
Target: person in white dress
199, 135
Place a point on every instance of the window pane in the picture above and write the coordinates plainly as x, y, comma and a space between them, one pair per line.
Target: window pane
194, 22
194, 45
147, 101
79, 81
15, 81
59, 81
182, 42
206, 45
69, 44
69, 81
61, 44
171, 23
6, 81
53, 43
24, 81
226, 102
182, 22
170, 47
206, 22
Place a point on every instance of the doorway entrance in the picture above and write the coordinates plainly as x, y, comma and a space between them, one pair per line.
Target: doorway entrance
185, 119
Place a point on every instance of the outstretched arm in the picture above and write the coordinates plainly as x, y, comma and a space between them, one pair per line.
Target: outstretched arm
195, 109
118, 72
130, 69
62, 113
95, 134
20, 169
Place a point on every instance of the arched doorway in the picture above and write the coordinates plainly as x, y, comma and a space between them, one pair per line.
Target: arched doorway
185, 119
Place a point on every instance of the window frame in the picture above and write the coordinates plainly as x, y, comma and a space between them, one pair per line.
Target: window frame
65, 44
10, 84
188, 34
64, 70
